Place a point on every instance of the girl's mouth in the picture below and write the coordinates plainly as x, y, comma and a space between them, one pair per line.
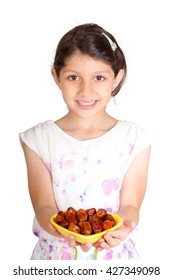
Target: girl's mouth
86, 105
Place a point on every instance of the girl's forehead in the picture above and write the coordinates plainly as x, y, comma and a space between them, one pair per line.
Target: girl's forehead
77, 55
78, 58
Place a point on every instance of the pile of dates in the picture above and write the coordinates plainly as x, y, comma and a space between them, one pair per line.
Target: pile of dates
85, 222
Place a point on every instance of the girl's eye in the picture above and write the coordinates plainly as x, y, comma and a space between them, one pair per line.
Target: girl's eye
73, 78
100, 78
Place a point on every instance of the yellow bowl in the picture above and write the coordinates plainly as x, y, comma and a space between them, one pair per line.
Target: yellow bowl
87, 238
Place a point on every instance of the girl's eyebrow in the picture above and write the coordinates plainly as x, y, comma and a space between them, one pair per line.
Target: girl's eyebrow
69, 71
96, 72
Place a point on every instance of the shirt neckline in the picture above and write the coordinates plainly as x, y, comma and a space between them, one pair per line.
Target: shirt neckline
55, 126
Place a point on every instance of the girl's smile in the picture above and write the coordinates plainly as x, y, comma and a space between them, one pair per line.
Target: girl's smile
86, 105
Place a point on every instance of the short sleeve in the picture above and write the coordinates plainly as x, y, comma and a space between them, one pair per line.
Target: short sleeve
29, 137
142, 139
37, 139
138, 139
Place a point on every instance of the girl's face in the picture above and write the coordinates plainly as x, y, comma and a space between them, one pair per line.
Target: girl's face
86, 84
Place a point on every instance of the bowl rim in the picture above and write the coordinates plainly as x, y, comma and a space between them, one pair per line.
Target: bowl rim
116, 217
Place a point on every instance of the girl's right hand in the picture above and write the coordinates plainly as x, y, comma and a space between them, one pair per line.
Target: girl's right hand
54, 232
70, 239
72, 243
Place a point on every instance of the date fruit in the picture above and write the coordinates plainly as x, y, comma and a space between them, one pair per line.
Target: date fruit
106, 224
96, 226
60, 217
110, 218
82, 215
64, 224
71, 218
94, 218
85, 228
91, 211
73, 227
101, 213
86, 222
71, 210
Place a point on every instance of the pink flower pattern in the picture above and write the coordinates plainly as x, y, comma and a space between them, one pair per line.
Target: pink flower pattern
109, 185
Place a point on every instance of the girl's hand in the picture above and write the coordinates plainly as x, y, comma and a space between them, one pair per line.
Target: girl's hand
114, 238
72, 243
70, 239
54, 231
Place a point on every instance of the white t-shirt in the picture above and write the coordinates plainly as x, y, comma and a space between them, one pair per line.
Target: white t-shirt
85, 174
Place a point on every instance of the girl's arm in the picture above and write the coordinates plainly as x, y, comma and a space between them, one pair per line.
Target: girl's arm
131, 197
42, 196
134, 186
40, 189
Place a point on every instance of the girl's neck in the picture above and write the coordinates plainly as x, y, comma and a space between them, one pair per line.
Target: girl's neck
86, 128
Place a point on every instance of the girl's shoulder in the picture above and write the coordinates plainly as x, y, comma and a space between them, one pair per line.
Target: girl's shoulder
36, 130
37, 136
130, 126
39, 128
130, 133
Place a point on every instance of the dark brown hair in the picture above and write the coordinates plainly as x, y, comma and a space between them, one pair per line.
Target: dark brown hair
89, 39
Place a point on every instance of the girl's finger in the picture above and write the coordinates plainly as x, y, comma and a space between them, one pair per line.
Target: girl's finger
112, 241
86, 247
54, 231
71, 241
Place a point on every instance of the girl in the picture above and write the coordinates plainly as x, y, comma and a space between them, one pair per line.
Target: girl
87, 158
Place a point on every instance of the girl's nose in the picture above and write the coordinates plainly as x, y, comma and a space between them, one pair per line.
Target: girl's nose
86, 88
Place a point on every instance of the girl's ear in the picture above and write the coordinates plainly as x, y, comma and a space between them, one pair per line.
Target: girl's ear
56, 78
118, 78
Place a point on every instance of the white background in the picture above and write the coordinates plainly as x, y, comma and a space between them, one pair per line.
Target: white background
30, 31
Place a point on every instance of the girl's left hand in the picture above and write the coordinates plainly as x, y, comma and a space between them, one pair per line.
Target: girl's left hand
114, 238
